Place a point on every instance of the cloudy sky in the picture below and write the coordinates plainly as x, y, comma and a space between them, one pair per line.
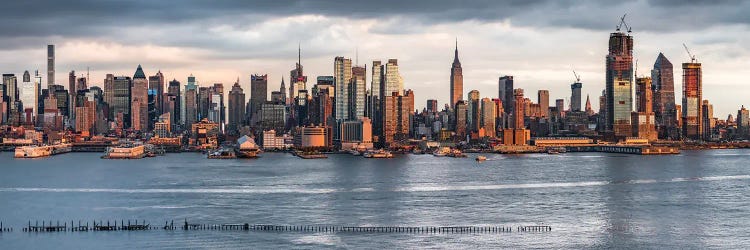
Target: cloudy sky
539, 42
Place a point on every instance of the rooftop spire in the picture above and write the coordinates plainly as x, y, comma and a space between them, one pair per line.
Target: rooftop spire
455, 56
299, 53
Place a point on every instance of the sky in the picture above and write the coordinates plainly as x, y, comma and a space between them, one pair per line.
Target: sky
539, 42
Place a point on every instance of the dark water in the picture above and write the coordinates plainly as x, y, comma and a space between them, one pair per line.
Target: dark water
695, 200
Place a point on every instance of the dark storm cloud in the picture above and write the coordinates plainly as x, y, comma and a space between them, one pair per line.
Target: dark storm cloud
76, 17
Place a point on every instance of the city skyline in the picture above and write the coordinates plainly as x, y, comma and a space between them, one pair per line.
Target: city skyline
535, 63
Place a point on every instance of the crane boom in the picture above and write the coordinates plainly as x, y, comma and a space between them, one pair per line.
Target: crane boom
623, 23
578, 77
692, 57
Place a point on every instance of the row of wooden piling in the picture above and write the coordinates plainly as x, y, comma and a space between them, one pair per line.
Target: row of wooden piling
48, 226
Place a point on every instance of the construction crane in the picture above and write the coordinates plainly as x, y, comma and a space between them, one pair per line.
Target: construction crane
578, 77
636, 68
692, 57
623, 23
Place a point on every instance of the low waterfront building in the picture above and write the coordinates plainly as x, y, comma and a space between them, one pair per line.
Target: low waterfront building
205, 133
270, 141
561, 141
311, 137
356, 134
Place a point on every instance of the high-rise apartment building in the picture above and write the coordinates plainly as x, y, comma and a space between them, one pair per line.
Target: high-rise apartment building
575, 96
50, 65
342, 73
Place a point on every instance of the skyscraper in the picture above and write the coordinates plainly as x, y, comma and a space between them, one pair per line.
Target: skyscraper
119, 103
156, 84
432, 105
357, 93
139, 100
297, 78
488, 117
258, 93
473, 116
505, 86
397, 116
643, 121
664, 99
393, 80
50, 65
174, 91
692, 99
457, 79
543, 99
342, 73
29, 94
575, 96
518, 110
619, 78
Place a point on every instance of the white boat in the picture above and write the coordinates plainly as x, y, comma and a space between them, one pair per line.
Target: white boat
481, 158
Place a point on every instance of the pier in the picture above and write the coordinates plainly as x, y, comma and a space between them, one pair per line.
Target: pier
123, 225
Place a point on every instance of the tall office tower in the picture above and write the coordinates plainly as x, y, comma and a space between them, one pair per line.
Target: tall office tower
301, 108
664, 99
282, 91
82, 84
473, 118
518, 110
297, 78
543, 100
461, 111
258, 93
560, 106
619, 78
397, 116
190, 106
393, 80
109, 87
375, 82
743, 121
29, 94
50, 65
139, 100
218, 110
505, 84
40, 96
432, 105
72, 84
643, 94
153, 109
457, 79
575, 96
62, 97
342, 73
709, 122
376, 100
204, 98
156, 84
589, 110
11, 95
692, 98
174, 90
358, 93
321, 108
488, 117
643, 121
119, 105
191, 85
602, 122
